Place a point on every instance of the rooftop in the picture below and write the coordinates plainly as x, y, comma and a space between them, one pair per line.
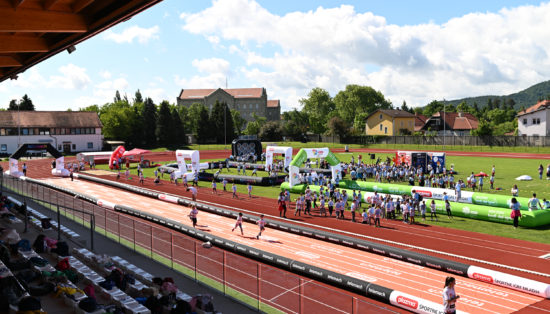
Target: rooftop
49, 119
235, 92
541, 105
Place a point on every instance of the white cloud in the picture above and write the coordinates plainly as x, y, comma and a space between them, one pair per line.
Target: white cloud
478, 53
73, 77
105, 74
142, 35
211, 65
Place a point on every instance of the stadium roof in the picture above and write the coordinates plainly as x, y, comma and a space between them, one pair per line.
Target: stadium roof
31, 31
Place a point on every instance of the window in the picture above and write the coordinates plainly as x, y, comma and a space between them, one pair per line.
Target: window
538, 120
72, 131
2, 132
257, 106
380, 119
59, 147
380, 126
525, 121
44, 131
77, 131
74, 146
401, 123
410, 123
534, 121
25, 131
92, 130
90, 145
385, 130
4, 147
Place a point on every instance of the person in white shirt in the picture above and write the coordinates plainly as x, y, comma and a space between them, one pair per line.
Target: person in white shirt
534, 203
193, 215
449, 296
239, 223
261, 225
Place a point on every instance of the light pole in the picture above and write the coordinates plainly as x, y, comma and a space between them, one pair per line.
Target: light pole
444, 126
224, 125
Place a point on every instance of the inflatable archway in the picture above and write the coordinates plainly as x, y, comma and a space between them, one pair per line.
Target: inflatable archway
195, 166
270, 150
305, 153
117, 153
59, 159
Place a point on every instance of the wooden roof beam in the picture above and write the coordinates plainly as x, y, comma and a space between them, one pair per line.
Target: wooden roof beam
17, 44
48, 4
8, 62
80, 5
39, 21
16, 3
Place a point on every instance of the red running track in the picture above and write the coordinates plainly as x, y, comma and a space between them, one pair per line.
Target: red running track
476, 297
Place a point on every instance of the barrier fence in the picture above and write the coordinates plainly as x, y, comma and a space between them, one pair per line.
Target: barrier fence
260, 286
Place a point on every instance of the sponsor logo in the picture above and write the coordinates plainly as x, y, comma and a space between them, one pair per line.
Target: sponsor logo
162, 196
99, 203
482, 277
424, 193
413, 304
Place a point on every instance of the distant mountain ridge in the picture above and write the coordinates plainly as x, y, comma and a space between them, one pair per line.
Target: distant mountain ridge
525, 98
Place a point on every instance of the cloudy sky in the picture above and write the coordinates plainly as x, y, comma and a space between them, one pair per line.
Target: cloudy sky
413, 51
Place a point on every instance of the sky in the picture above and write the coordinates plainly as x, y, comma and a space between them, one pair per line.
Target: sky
413, 51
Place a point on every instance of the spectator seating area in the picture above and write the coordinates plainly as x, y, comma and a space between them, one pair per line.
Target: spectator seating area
85, 282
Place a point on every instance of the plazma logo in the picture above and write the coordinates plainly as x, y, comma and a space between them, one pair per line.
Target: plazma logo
315, 152
466, 210
424, 193
413, 304
99, 203
482, 277
295, 176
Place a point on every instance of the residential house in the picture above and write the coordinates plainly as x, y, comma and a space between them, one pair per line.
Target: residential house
419, 121
451, 123
390, 122
533, 121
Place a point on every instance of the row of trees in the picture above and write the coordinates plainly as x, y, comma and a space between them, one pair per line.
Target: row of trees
141, 122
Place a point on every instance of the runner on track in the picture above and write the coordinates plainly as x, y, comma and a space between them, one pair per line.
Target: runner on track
234, 189
214, 185
261, 224
193, 215
239, 223
449, 295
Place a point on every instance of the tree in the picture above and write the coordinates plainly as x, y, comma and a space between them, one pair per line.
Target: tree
149, 123
253, 127
484, 128
432, 107
24, 104
293, 124
203, 125
138, 98
193, 114
164, 123
117, 97
177, 129
271, 131
317, 106
337, 127
404, 107
221, 118
92, 108
117, 118
13, 105
238, 121
357, 99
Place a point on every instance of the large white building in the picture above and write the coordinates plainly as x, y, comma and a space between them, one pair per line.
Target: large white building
534, 121
68, 131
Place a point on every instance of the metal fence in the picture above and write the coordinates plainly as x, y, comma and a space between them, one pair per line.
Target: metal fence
260, 286
451, 140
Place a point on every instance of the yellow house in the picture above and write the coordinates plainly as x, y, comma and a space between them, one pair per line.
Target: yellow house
390, 122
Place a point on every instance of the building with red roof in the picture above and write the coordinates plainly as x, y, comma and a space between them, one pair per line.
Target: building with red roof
451, 123
245, 100
533, 121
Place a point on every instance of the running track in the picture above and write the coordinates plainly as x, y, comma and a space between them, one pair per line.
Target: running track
476, 297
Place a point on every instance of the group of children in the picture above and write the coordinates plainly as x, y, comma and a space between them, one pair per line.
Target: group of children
238, 224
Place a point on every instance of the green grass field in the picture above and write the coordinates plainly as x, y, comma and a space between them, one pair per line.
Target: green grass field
507, 169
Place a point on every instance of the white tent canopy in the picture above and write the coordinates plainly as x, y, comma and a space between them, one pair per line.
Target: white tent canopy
270, 150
